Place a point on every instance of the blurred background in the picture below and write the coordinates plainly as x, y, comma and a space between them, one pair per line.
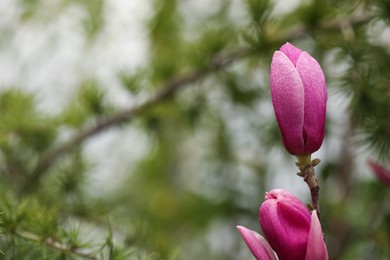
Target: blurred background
144, 129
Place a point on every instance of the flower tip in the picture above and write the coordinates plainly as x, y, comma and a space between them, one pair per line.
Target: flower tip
287, 45
291, 52
277, 193
273, 194
243, 230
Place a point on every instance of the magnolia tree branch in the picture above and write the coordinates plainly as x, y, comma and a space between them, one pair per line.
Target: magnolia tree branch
54, 244
166, 90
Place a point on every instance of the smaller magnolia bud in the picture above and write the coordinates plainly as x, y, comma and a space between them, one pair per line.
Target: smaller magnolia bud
291, 231
285, 222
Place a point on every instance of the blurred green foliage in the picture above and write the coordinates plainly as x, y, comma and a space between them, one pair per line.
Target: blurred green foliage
183, 199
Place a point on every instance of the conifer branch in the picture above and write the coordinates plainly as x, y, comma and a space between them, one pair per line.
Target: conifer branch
54, 244
166, 90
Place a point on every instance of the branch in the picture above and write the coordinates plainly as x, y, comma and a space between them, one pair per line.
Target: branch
308, 174
166, 90
56, 245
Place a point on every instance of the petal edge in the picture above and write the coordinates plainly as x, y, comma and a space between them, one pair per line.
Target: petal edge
314, 85
316, 247
287, 93
257, 244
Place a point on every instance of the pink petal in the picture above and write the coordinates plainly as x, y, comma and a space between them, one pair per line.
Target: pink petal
291, 52
313, 80
285, 222
289, 198
316, 248
382, 173
288, 101
257, 244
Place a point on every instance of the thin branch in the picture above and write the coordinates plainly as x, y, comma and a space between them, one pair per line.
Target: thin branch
307, 172
166, 90
56, 245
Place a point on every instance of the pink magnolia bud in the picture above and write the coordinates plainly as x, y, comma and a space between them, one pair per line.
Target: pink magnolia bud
290, 230
382, 173
299, 97
285, 222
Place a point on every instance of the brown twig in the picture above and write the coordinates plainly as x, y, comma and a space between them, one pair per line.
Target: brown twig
308, 174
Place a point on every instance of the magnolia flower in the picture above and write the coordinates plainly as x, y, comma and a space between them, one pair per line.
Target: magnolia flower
292, 233
382, 173
299, 97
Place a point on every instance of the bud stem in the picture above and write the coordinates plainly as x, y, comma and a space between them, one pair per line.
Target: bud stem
304, 159
306, 167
